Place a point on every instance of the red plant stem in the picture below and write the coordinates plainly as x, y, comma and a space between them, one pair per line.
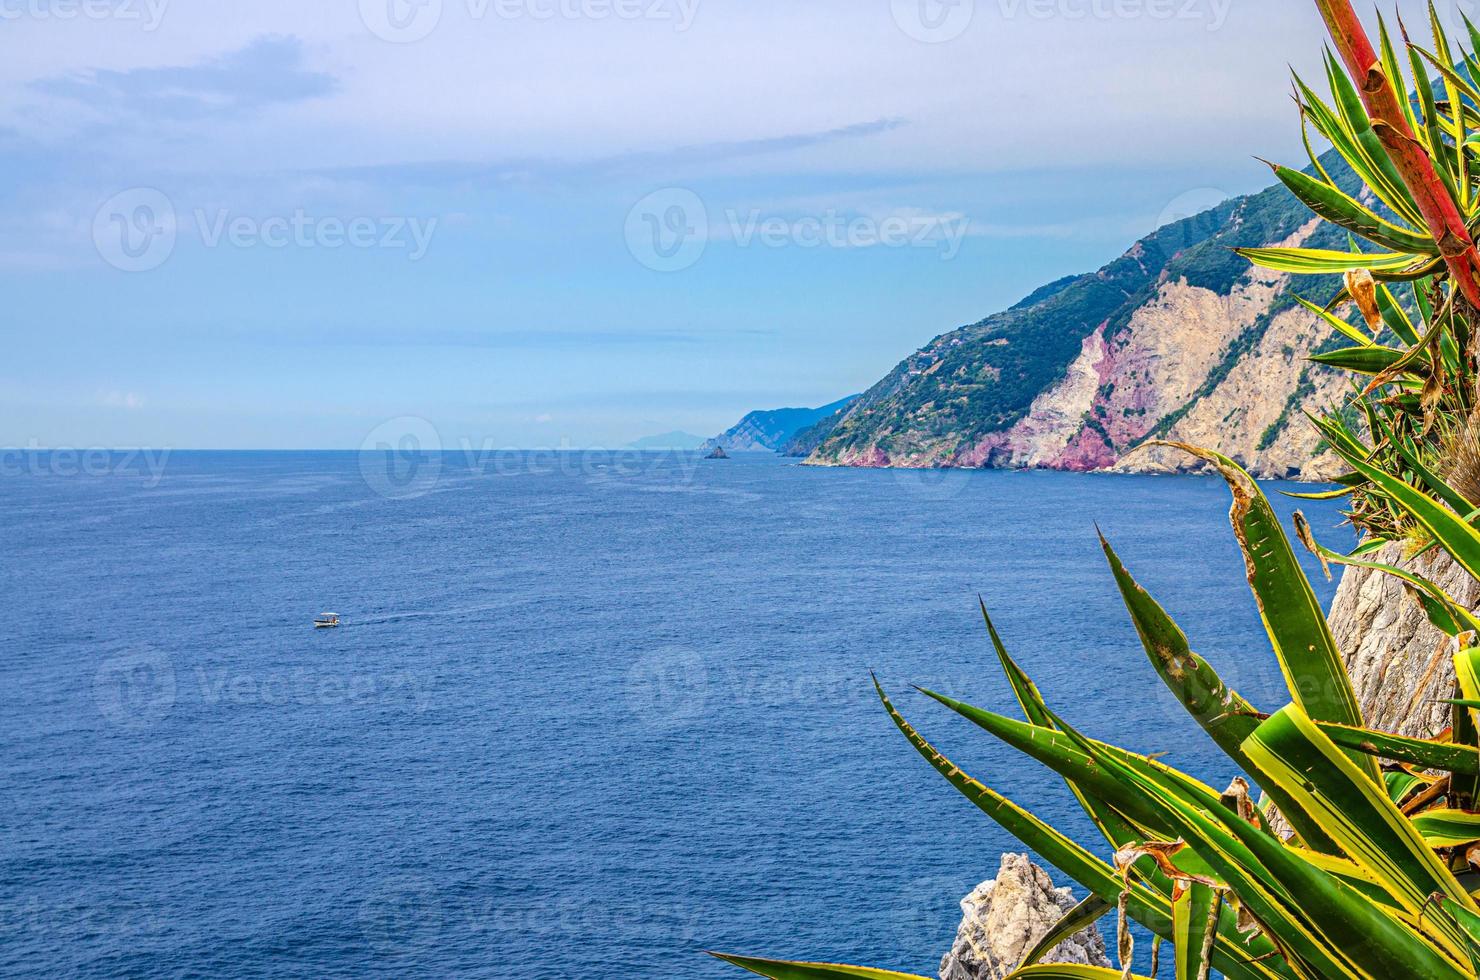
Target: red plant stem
1380, 96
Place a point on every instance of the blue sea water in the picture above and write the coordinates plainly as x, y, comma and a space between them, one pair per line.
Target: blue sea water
587, 716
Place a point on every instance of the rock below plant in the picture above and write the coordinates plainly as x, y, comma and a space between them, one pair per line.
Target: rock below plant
1004, 918
1400, 665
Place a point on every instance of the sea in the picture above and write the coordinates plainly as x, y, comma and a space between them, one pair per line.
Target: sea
587, 714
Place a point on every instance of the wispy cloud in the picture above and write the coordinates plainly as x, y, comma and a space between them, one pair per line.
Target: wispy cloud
491, 339
268, 71
521, 170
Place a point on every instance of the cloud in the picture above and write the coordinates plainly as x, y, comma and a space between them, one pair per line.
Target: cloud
454, 337
268, 71
441, 172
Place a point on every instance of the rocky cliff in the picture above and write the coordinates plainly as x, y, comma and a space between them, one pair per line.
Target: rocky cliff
1179, 337
1006, 917
1401, 666
773, 430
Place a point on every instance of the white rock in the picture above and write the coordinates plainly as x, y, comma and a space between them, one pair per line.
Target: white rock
1004, 918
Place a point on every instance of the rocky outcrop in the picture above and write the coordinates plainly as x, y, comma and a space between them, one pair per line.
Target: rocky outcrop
1177, 338
1399, 663
772, 430
1004, 918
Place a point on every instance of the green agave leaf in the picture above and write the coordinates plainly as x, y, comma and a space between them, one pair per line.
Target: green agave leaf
1336, 207
1456, 157
1454, 535
1319, 495
1448, 828
1314, 671
1467, 676
1221, 711
1316, 261
1468, 922
1320, 922
1080, 917
1069, 971
1336, 323
1401, 784
1351, 875
782, 970
1390, 68
1414, 751
1357, 813
1115, 828
1395, 316
1435, 484
1195, 918
1060, 851
1236, 958
1351, 133
1432, 132
1447, 615
1369, 360
1058, 751
1463, 788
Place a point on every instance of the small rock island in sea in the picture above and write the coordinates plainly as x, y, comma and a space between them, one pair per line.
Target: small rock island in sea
719, 453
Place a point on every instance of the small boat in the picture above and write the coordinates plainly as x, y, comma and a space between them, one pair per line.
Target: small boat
326, 621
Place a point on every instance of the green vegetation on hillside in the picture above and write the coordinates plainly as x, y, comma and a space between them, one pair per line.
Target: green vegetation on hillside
983, 378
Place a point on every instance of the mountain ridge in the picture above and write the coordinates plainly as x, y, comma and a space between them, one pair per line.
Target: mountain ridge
1177, 337
773, 429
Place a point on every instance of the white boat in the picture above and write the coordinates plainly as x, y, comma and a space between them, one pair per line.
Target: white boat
326, 621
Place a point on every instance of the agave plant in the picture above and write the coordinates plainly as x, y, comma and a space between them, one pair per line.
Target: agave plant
1359, 858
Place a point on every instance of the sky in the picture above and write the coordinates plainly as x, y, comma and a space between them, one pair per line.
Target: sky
552, 223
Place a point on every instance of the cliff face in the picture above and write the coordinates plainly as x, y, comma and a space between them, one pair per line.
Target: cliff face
1399, 663
1178, 338
1006, 917
773, 430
